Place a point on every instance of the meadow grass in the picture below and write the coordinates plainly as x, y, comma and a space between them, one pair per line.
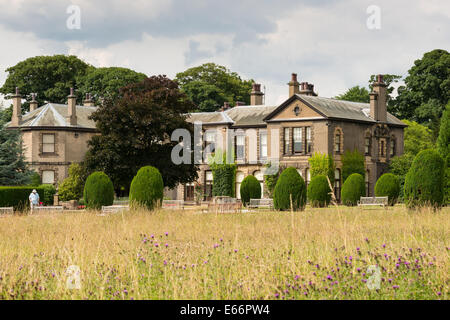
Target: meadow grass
314, 254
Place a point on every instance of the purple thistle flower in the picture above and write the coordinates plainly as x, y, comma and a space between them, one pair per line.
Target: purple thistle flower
384, 245
167, 245
156, 245
166, 234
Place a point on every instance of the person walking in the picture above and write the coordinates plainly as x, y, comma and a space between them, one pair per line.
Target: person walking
34, 199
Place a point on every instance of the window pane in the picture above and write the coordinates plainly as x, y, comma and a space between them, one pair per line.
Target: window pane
48, 177
308, 140
337, 143
240, 147
287, 145
48, 148
263, 144
48, 138
298, 140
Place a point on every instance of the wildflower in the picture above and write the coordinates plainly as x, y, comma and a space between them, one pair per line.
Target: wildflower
277, 295
165, 262
384, 245
235, 250
395, 287
366, 239
156, 245
152, 236
439, 293
167, 245
166, 234
358, 269
329, 277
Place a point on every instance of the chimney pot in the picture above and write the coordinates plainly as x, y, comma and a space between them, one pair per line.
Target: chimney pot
33, 102
294, 77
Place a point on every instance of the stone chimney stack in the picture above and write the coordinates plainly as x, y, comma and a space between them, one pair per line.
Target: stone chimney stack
226, 106
256, 96
293, 85
88, 102
72, 108
239, 103
307, 89
17, 109
378, 108
33, 102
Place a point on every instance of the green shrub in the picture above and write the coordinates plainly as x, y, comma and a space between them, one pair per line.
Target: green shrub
98, 191
322, 164
72, 187
388, 185
289, 183
352, 162
353, 189
17, 197
147, 188
319, 191
46, 197
250, 189
424, 182
224, 175
35, 179
443, 147
270, 180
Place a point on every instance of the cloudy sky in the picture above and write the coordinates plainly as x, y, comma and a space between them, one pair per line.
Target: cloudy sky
326, 42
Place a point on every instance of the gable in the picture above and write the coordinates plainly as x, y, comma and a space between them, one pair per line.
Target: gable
294, 110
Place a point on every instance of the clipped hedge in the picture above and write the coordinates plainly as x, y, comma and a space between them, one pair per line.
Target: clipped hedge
424, 182
17, 197
352, 162
353, 189
250, 189
98, 191
289, 183
319, 191
147, 188
388, 185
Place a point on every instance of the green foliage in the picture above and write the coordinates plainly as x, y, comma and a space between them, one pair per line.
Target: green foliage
270, 180
17, 197
13, 169
443, 147
46, 197
352, 162
210, 85
147, 188
134, 130
35, 179
98, 191
353, 189
417, 138
388, 185
51, 77
250, 189
104, 83
399, 166
424, 183
355, 94
388, 79
322, 164
289, 183
224, 174
426, 90
319, 191
72, 187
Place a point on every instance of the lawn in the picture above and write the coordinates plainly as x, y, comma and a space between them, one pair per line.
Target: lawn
314, 254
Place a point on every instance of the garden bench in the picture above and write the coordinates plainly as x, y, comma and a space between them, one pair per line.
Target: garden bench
261, 203
373, 201
6, 210
114, 208
173, 204
47, 208
225, 204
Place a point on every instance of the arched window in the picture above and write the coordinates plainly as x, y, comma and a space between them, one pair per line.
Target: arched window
367, 183
208, 185
367, 144
392, 147
338, 140
239, 177
260, 177
337, 184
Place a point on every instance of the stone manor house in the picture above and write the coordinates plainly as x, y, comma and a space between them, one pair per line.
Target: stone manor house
56, 135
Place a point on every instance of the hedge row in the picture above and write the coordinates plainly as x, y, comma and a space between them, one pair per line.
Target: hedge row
17, 197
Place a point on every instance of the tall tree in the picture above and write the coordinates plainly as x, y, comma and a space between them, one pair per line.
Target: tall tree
443, 147
135, 132
104, 83
51, 77
13, 169
426, 90
210, 85
355, 94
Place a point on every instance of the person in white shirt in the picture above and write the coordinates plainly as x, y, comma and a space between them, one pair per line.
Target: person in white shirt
34, 199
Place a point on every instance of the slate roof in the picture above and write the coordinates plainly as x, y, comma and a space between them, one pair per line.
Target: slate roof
54, 115
338, 109
249, 115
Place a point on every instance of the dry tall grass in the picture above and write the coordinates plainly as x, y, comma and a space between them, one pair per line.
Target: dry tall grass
314, 254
